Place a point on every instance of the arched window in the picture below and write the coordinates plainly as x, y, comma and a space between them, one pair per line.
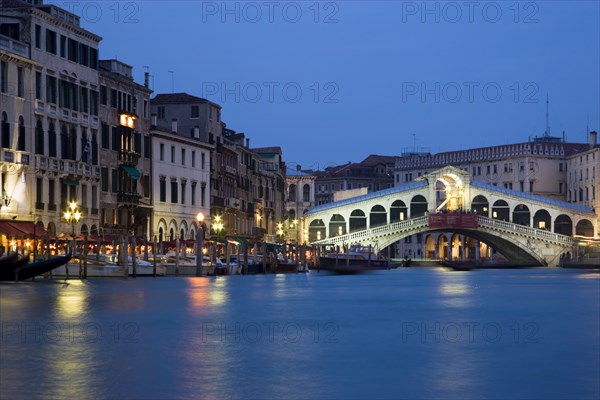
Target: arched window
21, 138
39, 138
306, 193
51, 140
292, 195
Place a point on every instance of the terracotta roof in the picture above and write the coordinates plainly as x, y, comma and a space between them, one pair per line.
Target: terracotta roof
378, 159
262, 150
179, 98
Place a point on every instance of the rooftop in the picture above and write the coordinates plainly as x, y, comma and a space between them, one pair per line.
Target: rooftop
179, 98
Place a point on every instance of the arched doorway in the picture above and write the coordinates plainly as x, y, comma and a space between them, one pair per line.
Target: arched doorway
429, 246
316, 230
521, 215
442, 247
398, 211
501, 210
337, 225
584, 228
480, 205
418, 206
542, 220
377, 216
358, 221
563, 225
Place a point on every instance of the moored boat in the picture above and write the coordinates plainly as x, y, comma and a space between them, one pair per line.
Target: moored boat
357, 259
20, 270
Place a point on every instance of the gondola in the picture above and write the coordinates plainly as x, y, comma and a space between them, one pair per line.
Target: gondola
20, 269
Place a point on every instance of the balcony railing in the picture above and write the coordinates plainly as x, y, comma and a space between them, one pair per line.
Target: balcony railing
128, 199
14, 46
129, 157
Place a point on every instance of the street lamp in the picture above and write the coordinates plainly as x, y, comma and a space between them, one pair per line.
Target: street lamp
72, 216
199, 242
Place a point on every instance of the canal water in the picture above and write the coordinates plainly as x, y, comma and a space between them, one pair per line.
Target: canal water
410, 333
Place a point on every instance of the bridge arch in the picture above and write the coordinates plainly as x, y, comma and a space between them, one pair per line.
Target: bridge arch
542, 220
480, 205
398, 211
521, 215
317, 230
377, 216
337, 225
501, 210
584, 228
563, 225
358, 221
418, 206
429, 247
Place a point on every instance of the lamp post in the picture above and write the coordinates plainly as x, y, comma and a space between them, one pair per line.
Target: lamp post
199, 242
72, 216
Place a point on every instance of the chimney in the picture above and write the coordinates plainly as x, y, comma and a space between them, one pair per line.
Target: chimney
174, 125
247, 143
154, 119
146, 79
593, 138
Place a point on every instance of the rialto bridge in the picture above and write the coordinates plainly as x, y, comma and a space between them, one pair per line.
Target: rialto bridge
523, 227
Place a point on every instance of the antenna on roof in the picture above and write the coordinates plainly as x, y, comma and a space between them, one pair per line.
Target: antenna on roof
547, 133
414, 142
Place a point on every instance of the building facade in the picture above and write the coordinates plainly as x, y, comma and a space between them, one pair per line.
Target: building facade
300, 198
49, 106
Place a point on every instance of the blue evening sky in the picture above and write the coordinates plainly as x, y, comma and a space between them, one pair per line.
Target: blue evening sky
332, 82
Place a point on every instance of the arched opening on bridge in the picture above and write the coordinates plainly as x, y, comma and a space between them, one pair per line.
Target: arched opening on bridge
584, 228
443, 247
501, 210
542, 220
457, 247
337, 225
358, 221
429, 247
450, 193
316, 230
398, 211
563, 225
480, 205
418, 206
377, 216
440, 194
521, 215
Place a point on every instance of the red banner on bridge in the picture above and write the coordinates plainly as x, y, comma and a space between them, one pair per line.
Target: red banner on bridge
455, 221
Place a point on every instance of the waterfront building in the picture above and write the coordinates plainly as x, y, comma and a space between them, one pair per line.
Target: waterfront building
583, 176
300, 198
374, 173
269, 191
179, 184
125, 154
49, 110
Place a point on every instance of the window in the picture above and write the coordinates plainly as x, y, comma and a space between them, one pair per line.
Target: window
39, 138
20, 83
193, 159
560, 167
94, 199
21, 135
531, 186
195, 112
488, 169
203, 166
39, 193
51, 89
174, 195
145, 110
182, 158
161, 112
38, 85
73, 50
51, 42
163, 189
6, 134
3, 77
183, 186
522, 186
103, 95
162, 152
203, 195
115, 138
51, 140
63, 46
104, 179
105, 136
147, 146
38, 36
193, 193
172, 154
113, 98
114, 187
51, 195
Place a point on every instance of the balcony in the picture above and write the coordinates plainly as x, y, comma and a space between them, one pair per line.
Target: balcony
9, 156
95, 122
14, 46
41, 162
129, 157
24, 159
64, 114
74, 117
230, 170
40, 106
128, 199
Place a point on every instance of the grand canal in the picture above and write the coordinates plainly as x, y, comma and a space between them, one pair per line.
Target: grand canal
406, 333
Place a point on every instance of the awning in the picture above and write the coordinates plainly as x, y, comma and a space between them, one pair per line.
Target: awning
134, 173
71, 182
239, 240
21, 229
